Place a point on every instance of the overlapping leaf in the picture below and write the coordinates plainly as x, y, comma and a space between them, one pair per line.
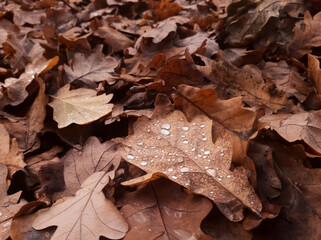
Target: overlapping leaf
184, 152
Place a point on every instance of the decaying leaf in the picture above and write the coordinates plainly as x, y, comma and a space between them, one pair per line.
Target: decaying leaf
306, 36
28, 129
80, 106
300, 126
163, 210
94, 157
88, 215
90, 70
9, 204
184, 152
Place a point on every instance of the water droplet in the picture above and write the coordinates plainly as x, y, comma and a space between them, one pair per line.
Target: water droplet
209, 160
184, 169
152, 160
182, 136
168, 159
170, 154
193, 124
204, 157
180, 159
140, 143
203, 134
171, 135
212, 172
202, 125
185, 141
192, 149
143, 163
170, 169
252, 203
207, 152
149, 229
166, 126
163, 150
218, 147
1, 214
152, 147
156, 156
211, 192
130, 157
219, 179
164, 132
221, 154
202, 149
174, 177
228, 176
206, 167
159, 137
185, 128
204, 139
173, 159
155, 124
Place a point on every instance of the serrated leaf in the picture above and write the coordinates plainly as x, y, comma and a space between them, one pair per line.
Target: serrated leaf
184, 152
79, 106
88, 215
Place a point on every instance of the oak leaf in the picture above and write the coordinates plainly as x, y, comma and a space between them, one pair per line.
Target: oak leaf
184, 152
163, 210
80, 106
94, 157
307, 37
300, 126
87, 215
90, 70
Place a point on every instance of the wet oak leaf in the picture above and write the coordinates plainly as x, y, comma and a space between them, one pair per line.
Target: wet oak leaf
306, 36
94, 157
295, 127
90, 70
80, 106
163, 210
184, 152
87, 215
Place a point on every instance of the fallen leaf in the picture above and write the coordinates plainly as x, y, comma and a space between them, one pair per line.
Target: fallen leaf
4, 142
89, 214
14, 158
94, 157
27, 130
95, 68
163, 210
300, 126
306, 37
80, 106
15, 89
315, 71
184, 152
161, 31
75, 37
227, 115
9, 204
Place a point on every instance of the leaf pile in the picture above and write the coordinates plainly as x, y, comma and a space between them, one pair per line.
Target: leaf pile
160, 119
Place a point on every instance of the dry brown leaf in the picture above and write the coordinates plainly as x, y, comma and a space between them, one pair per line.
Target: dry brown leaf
247, 82
75, 37
300, 126
80, 106
315, 71
27, 130
4, 142
8, 204
306, 37
15, 89
184, 152
114, 39
161, 31
95, 68
14, 158
163, 210
227, 115
88, 215
179, 71
94, 157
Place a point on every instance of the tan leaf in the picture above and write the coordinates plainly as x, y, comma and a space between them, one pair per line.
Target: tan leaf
307, 37
159, 33
15, 89
300, 126
184, 152
4, 142
88, 215
94, 157
315, 71
8, 204
247, 82
80, 106
14, 158
90, 70
227, 115
27, 130
163, 210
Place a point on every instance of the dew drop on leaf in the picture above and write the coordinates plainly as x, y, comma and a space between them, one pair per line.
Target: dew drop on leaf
164, 132
185, 128
184, 169
143, 163
130, 157
166, 126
